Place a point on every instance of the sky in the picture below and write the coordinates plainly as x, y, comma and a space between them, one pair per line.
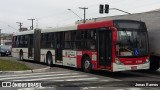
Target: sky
55, 13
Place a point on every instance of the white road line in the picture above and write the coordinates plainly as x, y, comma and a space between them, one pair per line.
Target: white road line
34, 74
26, 89
81, 79
51, 78
39, 76
96, 88
39, 88
135, 88
130, 89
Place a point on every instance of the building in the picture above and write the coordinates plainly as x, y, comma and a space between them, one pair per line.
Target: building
6, 39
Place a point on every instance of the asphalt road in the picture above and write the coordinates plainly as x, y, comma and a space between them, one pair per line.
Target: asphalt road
66, 78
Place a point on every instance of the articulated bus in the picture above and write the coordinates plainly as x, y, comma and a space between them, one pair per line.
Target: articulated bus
112, 45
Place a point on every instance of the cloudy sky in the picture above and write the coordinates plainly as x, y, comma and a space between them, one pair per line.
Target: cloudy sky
54, 13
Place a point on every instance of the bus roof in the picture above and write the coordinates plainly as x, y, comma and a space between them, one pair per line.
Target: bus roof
23, 32
92, 25
67, 28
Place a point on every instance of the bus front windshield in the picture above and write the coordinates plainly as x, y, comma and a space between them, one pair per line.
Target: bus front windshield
131, 43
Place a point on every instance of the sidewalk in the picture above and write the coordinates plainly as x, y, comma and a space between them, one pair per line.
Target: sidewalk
36, 67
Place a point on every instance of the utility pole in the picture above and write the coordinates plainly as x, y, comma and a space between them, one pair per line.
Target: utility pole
32, 23
20, 25
84, 8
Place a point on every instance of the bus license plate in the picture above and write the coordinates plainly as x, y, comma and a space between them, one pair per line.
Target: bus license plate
134, 68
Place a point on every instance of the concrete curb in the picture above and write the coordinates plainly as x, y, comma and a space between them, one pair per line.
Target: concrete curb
25, 71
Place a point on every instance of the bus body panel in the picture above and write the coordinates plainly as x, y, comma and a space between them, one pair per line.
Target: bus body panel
95, 25
69, 58
16, 52
133, 61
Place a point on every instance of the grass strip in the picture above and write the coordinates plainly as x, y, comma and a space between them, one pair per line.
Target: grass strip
8, 65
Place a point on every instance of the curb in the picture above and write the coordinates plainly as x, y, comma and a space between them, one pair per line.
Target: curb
25, 71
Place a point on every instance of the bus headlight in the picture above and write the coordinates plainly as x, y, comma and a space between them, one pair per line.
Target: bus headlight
117, 61
147, 60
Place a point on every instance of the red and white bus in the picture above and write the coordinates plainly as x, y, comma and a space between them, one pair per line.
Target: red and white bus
113, 45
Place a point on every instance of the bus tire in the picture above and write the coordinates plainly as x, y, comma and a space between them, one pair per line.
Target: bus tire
49, 59
87, 65
21, 56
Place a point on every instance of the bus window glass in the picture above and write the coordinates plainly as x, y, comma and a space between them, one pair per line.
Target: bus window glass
26, 41
131, 43
17, 41
43, 40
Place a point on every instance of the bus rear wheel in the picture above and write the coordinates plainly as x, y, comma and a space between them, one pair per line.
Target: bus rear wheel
49, 59
87, 65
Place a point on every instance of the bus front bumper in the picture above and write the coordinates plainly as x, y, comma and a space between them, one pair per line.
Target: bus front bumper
117, 67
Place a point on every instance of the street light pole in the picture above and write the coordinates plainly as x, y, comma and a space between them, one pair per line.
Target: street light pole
32, 23
84, 8
119, 10
75, 13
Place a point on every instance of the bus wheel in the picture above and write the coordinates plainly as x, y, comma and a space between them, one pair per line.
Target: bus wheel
87, 65
20, 56
49, 59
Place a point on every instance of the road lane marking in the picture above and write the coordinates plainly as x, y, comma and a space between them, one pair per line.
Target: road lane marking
51, 78
39, 76
82, 79
34, 74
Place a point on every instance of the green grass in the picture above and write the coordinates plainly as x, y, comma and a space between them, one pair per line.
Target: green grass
7, 65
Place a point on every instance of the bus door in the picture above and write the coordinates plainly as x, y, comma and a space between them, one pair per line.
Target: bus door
30, 46
58, 47
104, 47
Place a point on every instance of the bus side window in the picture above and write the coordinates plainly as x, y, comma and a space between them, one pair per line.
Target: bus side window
78, 39
17, 41
43, 40
67, 40
49, 40
90, 42
53, 41
26, 41
73, 39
